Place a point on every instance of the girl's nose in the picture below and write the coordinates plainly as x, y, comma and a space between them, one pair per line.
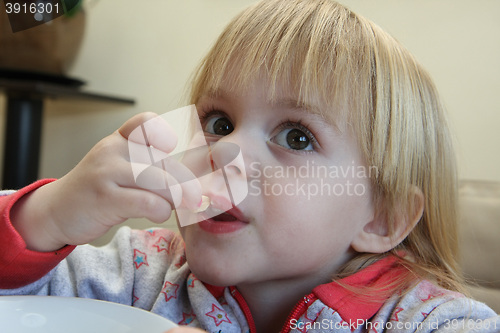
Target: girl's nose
227, 156
226, 159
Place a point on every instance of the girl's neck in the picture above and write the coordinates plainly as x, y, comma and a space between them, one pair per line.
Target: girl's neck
271, 302
270, 306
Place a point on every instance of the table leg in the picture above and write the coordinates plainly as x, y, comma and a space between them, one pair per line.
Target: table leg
22, 141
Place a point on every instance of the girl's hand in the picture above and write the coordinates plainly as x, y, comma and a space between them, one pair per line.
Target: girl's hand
101, 191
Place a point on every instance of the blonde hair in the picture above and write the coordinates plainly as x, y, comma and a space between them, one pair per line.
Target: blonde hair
322, 50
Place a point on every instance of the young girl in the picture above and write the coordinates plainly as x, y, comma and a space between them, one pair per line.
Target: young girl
349, 221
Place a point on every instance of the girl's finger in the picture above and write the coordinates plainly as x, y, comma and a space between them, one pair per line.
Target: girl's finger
150, 139
171, 180
149, 130
136, 203
135, 122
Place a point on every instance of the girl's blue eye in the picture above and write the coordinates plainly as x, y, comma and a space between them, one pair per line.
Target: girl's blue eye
218, 126
295, 139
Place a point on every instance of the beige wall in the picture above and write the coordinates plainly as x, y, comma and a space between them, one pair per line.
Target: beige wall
458, 41
147, 50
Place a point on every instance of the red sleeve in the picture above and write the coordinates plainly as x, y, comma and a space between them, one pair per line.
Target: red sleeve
18, 265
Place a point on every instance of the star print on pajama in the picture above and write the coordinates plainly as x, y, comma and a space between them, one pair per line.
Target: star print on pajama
219, 316
187, 318
182, 261
140, 258
169, 290
395, 314
191, 280
162, 245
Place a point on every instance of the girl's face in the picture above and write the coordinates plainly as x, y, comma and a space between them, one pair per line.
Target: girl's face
309, 192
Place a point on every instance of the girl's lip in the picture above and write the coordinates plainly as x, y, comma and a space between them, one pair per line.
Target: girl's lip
220, 227
225, 206
214, 226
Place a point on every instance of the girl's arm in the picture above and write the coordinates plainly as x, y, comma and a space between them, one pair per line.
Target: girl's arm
18, 265
100, 192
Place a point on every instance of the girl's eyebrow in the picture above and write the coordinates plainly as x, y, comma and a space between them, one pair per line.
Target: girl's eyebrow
292, 104
281, 103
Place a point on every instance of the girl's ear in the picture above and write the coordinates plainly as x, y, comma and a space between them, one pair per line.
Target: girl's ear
375, 238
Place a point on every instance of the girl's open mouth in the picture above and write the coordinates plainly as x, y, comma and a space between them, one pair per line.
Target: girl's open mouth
224, 217
219, 220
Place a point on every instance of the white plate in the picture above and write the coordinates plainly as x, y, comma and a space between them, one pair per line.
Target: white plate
50, 314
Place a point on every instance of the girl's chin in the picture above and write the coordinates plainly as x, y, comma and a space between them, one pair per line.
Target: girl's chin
217, 273
214, 278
